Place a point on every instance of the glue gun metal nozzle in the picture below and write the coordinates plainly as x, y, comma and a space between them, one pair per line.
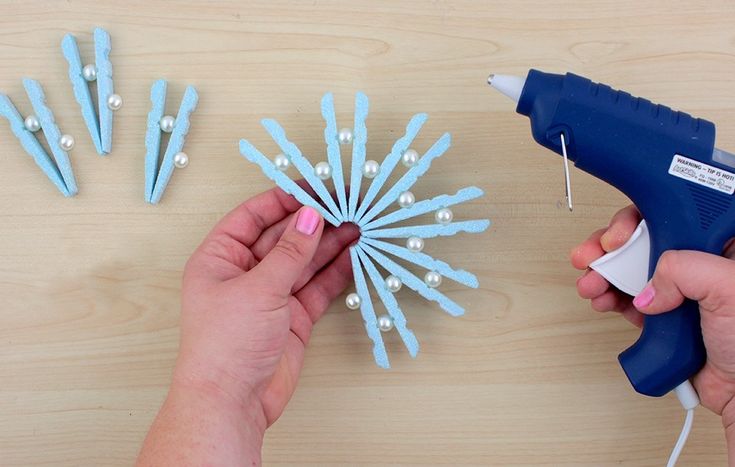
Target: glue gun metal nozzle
511, 86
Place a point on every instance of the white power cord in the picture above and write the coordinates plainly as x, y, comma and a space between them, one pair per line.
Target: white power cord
679, 446
689, 400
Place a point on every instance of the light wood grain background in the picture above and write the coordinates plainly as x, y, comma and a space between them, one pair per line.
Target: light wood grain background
89, 286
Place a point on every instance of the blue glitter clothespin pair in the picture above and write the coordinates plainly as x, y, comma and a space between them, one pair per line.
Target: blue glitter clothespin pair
99, 123
157, 178
371, 250
58, 168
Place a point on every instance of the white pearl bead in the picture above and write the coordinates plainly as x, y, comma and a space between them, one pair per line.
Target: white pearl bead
406, 199
370, 169
281, 162
433, 279
181, 160
167, 123
344, 136
444, 216
393, 283
415, 244
66, 142
323, 170
89, 72
353, 301
114, 102
410, 157
32, 124
385, 323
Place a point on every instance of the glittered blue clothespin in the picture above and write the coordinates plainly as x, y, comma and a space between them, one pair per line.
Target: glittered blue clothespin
57, 168
157, 178
99, 123
367, 210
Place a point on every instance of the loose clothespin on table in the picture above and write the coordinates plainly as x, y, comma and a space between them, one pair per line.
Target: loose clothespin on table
57, 168
99, 123
156, 179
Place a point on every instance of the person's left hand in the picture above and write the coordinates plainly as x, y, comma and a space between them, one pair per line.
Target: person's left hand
252, 292
591, 285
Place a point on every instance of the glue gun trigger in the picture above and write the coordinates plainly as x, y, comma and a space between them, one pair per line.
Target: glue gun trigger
627, 267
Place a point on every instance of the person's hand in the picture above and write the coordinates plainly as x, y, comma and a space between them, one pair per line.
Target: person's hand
251, 293
705, 278
710, 280
591, 285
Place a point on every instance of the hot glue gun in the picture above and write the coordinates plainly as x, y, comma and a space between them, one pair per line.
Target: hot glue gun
666, 162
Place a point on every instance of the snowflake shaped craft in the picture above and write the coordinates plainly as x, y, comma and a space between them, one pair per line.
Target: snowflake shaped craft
372, 248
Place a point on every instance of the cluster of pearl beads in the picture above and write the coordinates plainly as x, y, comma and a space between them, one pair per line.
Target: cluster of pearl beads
167, 123
114, 101
416, 244
385, 322
32, 124
409, 158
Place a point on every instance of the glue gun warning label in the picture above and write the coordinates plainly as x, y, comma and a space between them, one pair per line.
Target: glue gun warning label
703, 174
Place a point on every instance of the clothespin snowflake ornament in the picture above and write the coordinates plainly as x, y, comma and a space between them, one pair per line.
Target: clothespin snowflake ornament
368, 213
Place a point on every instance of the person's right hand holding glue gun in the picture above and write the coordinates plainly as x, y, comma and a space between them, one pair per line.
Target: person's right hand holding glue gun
706, 278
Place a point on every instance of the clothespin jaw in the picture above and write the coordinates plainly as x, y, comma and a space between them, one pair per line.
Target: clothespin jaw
57, 168
153, 135
98, 122
157, 177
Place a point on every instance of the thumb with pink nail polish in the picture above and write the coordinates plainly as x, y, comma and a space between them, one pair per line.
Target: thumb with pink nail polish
645, 298
286, 261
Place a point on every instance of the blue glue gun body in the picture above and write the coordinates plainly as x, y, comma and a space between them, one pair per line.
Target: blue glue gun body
666, 163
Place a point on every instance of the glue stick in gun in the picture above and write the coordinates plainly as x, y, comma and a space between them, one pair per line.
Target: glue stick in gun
666, 162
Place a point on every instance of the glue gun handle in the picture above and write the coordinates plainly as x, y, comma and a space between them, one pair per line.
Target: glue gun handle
670, 349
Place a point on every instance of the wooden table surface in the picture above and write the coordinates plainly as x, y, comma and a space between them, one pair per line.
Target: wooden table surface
89, 286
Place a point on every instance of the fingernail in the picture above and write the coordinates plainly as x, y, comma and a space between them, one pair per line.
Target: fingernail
607, 241
308, 220
644, 298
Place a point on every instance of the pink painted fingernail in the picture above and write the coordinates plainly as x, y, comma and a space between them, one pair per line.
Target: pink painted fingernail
308, 220
644, 298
